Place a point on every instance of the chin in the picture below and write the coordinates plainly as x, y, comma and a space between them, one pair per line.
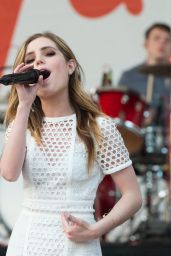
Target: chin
161, 59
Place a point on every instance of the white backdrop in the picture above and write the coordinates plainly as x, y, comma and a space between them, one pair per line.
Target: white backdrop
115, 39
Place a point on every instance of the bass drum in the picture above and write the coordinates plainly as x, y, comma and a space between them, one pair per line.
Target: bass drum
105, 197
11, 196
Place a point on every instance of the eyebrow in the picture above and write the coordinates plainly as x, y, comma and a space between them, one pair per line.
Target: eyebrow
41, 49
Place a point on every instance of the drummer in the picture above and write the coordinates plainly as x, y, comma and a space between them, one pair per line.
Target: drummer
157, 44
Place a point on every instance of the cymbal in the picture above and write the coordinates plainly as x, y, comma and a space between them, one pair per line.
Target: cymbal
157, 70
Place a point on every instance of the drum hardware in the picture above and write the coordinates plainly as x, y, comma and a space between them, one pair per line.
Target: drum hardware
154, 140
157, 189
150, 85
156, 69
155, 147
153, 218
125, 98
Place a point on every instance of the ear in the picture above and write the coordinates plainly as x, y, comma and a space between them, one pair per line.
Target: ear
71, 66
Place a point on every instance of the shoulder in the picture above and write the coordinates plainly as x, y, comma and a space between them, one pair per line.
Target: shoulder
132, 69
106, 123
130, 75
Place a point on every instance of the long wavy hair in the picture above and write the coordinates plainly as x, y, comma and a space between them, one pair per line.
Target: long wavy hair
86, 110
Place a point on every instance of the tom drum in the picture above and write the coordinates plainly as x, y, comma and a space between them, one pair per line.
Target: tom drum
128, 108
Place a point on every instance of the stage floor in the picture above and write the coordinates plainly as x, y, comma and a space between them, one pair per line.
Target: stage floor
151, 247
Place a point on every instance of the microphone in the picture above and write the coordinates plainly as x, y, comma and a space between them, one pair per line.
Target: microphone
29, 77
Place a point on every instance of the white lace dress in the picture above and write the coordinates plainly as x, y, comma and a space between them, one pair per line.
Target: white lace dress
56, 180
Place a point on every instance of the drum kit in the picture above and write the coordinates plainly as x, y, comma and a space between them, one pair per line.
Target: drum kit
149, 148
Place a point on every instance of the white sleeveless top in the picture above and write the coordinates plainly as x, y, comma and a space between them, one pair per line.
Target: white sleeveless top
56, 180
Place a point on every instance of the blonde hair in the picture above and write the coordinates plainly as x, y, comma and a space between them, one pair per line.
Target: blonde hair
86, 110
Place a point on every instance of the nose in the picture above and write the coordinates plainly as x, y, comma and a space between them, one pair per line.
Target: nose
39, 60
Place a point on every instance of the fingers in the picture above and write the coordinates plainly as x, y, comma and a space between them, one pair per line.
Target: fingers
22, 67
75, 229
27, 92
77, 221
64, 222
70, 219
38, 84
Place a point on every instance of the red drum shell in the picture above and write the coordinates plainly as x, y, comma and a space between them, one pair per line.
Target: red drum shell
128, 108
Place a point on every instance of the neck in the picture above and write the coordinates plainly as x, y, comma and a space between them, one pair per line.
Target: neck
56, 107
152, 61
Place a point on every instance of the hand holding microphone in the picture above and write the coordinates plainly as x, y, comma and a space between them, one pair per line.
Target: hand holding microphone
29, 77
27, 81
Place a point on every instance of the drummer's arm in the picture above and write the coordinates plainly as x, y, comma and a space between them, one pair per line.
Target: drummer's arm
129, 203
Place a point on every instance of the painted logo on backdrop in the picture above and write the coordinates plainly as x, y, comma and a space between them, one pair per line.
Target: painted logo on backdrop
9, 13
98, 8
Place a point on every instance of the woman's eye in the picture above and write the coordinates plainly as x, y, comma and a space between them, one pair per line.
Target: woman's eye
50, 53
29, 61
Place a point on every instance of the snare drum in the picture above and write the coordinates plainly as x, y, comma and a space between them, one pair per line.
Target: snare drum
128, 108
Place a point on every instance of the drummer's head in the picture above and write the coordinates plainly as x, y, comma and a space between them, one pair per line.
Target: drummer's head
158, 43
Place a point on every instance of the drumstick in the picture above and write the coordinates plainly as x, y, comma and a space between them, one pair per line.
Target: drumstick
150, 85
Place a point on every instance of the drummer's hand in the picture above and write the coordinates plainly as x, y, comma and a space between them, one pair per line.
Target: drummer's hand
27, 93
77, 230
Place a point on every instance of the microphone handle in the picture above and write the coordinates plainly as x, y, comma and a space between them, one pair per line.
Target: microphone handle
29, 77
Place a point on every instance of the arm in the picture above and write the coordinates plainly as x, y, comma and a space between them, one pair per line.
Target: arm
14, 150
130, 202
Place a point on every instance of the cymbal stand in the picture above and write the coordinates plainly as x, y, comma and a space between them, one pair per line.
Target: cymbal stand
150, 85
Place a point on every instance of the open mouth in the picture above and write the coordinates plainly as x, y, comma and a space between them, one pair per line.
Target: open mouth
45, 73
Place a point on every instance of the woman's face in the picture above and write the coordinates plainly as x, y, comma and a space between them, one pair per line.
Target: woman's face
43, 54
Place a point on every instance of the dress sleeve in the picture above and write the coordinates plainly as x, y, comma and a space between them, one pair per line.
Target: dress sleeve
112, 155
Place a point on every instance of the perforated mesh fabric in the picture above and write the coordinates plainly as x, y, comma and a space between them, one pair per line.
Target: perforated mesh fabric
56, 180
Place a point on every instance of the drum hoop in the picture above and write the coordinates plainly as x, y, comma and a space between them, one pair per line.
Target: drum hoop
132, 127
111, 89
123, 89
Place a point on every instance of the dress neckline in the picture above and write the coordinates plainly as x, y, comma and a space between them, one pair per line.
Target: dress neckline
60, 118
